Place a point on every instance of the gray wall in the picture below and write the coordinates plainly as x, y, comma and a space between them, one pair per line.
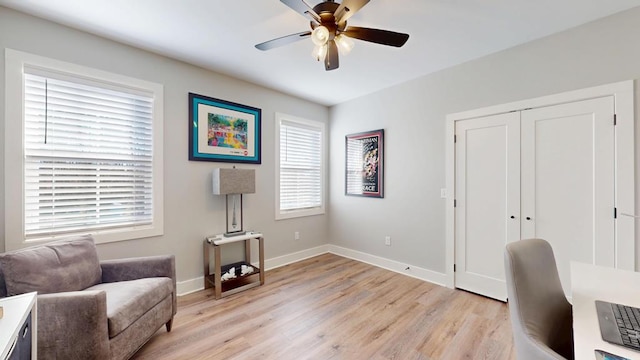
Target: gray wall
191, 211
413, 116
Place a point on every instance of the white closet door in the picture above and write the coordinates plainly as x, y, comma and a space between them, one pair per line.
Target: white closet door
487, 196
568, 181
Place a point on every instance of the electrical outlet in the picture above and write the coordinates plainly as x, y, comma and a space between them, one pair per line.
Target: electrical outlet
387, 240
296, 235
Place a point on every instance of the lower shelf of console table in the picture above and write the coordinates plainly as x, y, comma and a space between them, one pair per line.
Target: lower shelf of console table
240, 282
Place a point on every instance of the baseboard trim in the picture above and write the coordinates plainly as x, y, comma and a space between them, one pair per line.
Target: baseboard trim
197, 284
190, 286
392, 265
295, 257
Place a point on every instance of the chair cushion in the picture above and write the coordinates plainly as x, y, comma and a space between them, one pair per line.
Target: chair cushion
127, 301
67, 265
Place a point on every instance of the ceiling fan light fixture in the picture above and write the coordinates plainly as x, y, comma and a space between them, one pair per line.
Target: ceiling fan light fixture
319, 52
320, 35
345, 44
329, 31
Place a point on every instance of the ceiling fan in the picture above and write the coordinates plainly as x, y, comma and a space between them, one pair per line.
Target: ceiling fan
329, 30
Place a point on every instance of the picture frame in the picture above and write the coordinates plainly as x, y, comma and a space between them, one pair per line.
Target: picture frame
224, 131
364, 164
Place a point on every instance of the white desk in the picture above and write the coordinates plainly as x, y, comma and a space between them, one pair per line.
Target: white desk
590, 283
12, 325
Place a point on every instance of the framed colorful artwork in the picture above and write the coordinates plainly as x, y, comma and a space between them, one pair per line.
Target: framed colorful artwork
364, 168
223, 131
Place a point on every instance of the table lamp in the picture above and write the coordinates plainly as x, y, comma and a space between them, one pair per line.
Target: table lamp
233, 183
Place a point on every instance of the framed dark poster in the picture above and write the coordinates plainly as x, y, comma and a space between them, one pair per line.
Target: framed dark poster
364, 168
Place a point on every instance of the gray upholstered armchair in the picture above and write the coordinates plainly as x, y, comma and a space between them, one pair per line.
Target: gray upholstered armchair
89, 309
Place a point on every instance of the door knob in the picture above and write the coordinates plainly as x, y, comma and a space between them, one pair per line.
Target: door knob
513, 217
528, 218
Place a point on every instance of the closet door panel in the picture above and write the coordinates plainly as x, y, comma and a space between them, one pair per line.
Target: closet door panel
487, 196
568, 181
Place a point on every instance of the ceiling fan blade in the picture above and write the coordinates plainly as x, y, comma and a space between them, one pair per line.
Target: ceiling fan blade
331, 61
300, 6
281, 41
347, 8
384, 37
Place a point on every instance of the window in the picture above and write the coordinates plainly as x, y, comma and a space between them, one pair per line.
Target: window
300, 161
88, 156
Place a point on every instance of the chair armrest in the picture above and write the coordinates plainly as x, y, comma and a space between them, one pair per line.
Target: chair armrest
73, 325
140, 268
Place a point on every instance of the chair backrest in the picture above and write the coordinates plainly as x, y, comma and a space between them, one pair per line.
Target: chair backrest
541, 316
69, 264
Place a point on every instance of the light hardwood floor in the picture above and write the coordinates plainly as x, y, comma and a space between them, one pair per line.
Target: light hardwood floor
330, 307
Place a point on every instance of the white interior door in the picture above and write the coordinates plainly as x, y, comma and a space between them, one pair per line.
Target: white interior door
487, 154
568, 181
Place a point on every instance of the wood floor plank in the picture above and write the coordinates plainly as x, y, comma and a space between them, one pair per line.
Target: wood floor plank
330, 307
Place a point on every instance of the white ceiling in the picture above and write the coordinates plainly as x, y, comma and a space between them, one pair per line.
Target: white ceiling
220, 35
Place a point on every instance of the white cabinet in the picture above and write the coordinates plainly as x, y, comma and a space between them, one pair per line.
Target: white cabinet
18, 327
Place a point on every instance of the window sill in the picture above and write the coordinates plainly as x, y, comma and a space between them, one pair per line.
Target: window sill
292, 214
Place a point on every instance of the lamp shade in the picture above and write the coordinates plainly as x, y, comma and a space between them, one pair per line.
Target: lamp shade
320, 35
234, 181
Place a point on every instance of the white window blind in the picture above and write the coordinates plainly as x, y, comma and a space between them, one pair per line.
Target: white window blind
88, 156
300, 166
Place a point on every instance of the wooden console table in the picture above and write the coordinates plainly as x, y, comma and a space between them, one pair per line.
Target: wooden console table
215, 279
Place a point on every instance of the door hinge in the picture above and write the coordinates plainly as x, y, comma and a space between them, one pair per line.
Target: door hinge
455, 138
455, 203
454, 267
615, 213
615, 120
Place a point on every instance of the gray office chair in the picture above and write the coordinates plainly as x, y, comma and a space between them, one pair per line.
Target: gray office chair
541, 316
